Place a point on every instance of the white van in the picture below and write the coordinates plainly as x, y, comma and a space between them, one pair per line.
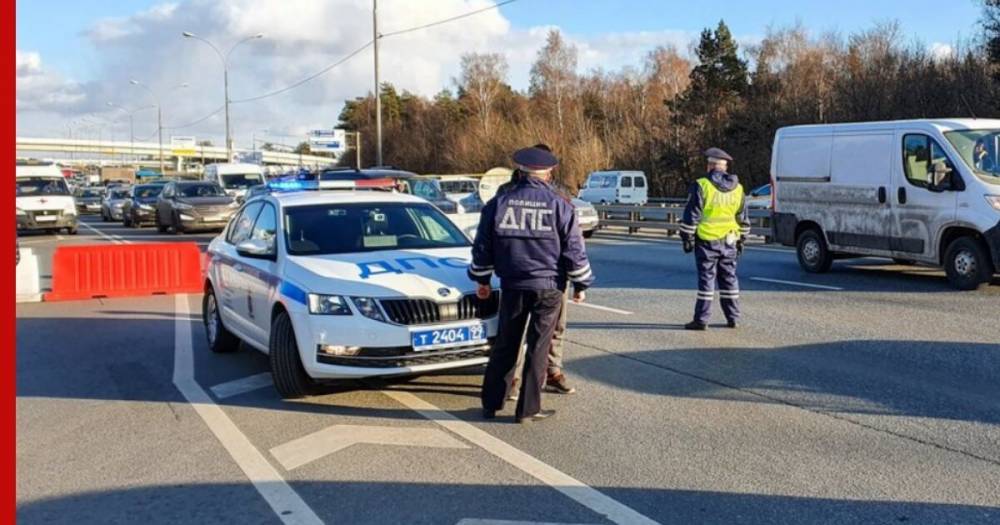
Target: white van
236, 179
616, 187
44, 201
923, 191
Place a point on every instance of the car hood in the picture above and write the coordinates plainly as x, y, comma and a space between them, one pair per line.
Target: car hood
438, 274
206, 201
580, 203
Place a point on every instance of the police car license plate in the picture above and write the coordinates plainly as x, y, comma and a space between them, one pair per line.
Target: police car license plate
448, 337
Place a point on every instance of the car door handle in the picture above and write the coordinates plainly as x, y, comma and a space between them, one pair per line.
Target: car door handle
881, 194
901, 195
238, 267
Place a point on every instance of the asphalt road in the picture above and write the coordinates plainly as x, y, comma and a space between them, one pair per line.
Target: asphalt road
867, 395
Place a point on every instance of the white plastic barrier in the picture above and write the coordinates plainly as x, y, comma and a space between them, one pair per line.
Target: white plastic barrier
28, 285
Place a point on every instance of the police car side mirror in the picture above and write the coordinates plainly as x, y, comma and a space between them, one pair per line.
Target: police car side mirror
256, 249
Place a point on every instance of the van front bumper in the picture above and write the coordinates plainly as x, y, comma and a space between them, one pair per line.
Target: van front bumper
30, 222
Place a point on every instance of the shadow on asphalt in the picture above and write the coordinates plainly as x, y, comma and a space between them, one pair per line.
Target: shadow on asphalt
447, 504
951, 381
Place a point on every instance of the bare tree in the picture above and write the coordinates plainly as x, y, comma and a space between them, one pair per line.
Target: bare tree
482, 80
553, 75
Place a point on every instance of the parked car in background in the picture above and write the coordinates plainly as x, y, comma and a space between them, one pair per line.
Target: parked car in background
234, 178
760, 198
458, 188
586, 216
193, 205
88, 199
43, 200
616, 187
430, 190
141, 207
114, 201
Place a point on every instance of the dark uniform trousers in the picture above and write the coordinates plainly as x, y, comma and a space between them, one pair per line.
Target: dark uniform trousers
716, 270
536, 311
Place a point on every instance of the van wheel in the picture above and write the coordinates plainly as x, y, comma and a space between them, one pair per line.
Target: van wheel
967, 265
72, 231
220, 340
813, 252
290, 378
588, 234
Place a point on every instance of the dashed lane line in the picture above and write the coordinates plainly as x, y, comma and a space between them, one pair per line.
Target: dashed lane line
585, 495
796, 283
284, 501
602, 308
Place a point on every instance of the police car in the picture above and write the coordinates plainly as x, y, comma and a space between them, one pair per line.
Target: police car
345, 284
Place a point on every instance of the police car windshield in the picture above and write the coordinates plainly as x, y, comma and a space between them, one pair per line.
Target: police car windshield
351, 228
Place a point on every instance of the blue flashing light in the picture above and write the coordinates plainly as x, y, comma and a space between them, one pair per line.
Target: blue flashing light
291, 185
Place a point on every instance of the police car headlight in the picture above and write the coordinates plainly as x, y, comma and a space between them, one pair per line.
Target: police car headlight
328, 305
368, 308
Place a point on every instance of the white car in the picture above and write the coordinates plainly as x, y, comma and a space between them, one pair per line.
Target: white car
353, 284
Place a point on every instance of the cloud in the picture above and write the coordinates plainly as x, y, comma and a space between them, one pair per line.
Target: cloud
301, 38
941, 51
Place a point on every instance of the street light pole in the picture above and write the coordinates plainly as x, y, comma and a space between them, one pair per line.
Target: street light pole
131, 125
225, 80
159, 117
378, 95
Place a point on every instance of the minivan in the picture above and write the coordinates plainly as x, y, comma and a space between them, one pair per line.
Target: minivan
44, 201
234, 178
615, 187
916, 191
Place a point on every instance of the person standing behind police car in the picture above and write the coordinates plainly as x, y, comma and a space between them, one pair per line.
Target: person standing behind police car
715, 226
556, 380
529, 237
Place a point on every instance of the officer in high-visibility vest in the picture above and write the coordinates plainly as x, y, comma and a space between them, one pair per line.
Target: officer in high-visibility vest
714, 227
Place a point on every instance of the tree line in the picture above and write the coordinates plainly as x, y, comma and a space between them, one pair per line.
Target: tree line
659, 117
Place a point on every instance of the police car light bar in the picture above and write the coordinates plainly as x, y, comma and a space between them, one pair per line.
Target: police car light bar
362, 184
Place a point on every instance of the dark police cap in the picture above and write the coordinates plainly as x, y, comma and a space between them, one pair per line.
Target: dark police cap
718, 154
535, 158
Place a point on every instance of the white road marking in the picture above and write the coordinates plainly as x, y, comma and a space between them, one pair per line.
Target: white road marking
242, 385
475, 521
796, 283
594, 500
603, 308
284, 501
114, 239
334, 438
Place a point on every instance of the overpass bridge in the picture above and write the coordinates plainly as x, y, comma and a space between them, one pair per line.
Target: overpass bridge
147, 152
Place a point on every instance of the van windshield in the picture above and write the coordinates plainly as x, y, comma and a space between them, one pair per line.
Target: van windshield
241, 181
979, 149
35, 186
602, 181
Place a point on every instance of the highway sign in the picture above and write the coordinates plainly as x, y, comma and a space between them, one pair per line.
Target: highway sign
328, 140
182, 146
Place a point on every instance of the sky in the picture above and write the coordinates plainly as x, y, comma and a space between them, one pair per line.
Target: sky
75, 56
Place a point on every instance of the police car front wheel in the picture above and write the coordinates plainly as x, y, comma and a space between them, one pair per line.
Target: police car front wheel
290, 378
220, 340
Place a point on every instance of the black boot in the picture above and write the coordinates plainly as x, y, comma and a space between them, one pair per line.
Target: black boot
695, 325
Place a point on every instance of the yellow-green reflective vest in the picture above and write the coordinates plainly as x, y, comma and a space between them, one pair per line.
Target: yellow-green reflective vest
718, 214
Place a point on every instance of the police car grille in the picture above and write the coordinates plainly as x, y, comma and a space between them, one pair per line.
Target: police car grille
426, 311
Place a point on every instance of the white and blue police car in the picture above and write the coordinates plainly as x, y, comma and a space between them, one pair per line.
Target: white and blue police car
345, 284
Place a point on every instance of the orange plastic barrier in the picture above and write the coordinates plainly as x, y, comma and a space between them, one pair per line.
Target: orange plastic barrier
125, 270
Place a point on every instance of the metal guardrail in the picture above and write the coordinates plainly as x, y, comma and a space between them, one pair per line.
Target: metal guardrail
665, 215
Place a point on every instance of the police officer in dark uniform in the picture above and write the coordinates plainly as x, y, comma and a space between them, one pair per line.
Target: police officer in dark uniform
715, 225
530, 238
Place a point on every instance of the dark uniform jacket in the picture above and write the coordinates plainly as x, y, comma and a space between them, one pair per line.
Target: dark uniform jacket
530, 238
724, 182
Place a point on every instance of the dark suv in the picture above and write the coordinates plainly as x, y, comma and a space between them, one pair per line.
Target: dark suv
141, 207
193, 205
